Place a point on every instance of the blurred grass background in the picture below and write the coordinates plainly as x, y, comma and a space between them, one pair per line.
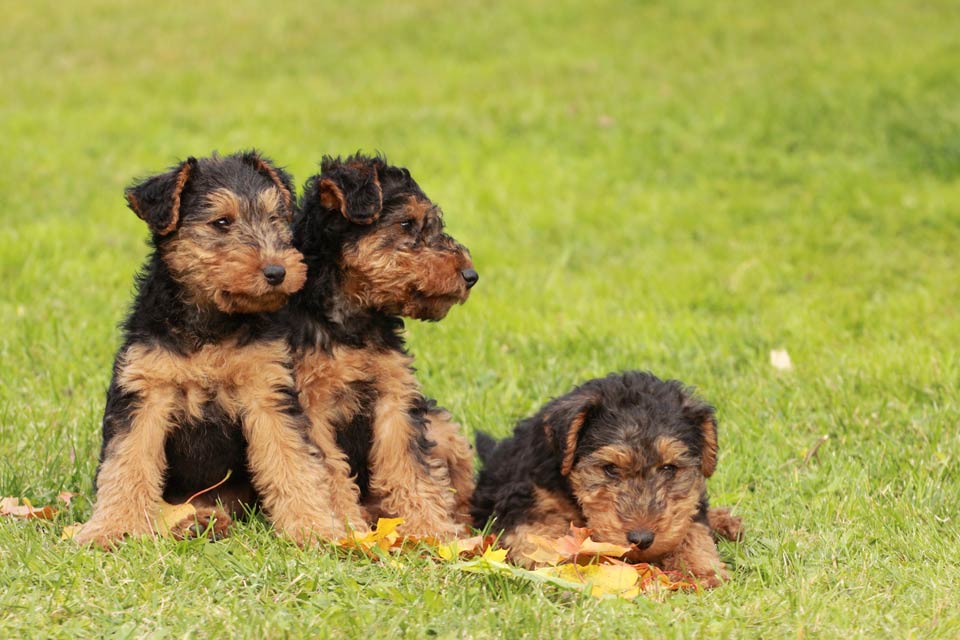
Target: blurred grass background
674, 186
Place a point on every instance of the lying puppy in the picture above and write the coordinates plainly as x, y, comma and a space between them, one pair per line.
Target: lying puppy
626, 456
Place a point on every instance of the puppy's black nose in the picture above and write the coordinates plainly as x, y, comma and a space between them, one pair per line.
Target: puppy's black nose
642, 538
274, 273
470, 276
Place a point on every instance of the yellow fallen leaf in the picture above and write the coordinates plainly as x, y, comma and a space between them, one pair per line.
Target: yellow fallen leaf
618, 580
384, 536
70, 531
494, 555
170, 514
461, 546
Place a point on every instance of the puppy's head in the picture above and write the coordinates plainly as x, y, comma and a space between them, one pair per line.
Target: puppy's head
222, 227
636, 451
387, 238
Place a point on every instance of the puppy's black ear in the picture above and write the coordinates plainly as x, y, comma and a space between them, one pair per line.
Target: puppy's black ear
156, 200
352, 188
701, 414
279, 177
564, 421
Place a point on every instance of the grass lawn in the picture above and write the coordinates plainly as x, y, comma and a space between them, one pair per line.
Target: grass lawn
674, 186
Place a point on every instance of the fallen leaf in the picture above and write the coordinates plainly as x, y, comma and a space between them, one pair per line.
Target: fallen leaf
384, 536
65, 497
10, 506
170, 514
577, 546
465, 547
577, 561
620, 580
780, 360
70, 531
546, 550
494, 555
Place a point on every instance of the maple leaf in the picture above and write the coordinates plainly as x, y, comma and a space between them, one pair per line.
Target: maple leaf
465, 547
383, 537
579, 562
577, 546
494, 555
12, 507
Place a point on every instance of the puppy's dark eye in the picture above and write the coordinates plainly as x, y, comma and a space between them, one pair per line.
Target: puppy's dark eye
222, 223
667, 470
611, 470
408, 225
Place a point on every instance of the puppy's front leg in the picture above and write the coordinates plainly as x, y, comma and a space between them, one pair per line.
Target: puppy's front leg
400, 475
319, 399
130, 478
289, 475
697, 555
288, 471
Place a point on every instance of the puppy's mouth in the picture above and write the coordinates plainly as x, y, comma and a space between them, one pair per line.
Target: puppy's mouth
237, 302
423, 306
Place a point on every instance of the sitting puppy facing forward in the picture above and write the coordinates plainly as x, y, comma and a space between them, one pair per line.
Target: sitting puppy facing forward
203, 360
626, 456
376, 251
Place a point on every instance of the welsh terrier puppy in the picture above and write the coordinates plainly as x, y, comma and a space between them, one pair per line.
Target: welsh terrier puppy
203, 361
626, 456
376, 251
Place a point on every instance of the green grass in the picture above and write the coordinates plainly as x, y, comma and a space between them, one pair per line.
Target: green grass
673, 186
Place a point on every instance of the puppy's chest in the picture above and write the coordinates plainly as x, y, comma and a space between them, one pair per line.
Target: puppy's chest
344, 386
229, 376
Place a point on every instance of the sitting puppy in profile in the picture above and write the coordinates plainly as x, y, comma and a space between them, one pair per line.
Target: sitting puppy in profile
376, 252
626, 456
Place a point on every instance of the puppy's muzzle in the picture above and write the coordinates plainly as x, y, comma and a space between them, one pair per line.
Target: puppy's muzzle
642, 538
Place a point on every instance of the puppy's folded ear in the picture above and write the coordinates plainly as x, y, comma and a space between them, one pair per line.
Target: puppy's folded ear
156, 200
351, 188
701, 414
277, 175
563, 424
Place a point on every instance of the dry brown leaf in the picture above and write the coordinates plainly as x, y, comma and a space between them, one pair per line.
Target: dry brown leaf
10, 506
577, 546
66, 496
577, 558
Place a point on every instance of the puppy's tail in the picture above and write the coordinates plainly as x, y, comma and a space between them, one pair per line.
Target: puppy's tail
486, 445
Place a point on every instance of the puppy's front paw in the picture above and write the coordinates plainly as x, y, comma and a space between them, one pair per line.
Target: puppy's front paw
207, 521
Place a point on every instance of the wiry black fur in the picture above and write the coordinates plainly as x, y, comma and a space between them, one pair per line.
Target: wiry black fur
198, 454
633, 407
